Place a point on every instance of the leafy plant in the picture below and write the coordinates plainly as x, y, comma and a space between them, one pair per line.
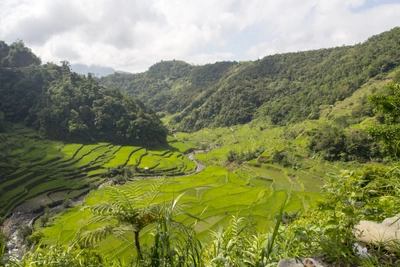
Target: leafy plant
67, 203
23, 233
230, 247
128, 210
174, 243
56, 256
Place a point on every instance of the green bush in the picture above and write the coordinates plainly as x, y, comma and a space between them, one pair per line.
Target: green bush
67, 203
333, 144
23, 233
242, 156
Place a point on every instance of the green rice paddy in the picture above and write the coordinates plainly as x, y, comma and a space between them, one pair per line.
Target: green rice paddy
254, 189
45, 168
214, 195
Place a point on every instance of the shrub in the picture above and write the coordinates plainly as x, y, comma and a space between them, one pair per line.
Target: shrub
44, 219
23, 232
335, 144
67, 203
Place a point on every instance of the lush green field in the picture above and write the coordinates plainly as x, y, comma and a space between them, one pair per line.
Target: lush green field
214, 195
255, 189
254, 185
43, 172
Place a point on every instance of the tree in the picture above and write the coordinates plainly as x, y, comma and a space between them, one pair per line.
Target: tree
388, 107
329, 141
4, 49
20, 56
128, 210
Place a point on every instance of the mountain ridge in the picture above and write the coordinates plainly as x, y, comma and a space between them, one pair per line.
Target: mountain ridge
282, 88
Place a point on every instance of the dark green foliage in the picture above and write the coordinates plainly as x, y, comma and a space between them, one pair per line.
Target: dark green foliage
23, 233
367, 194
35, 238
44, 219
388, 107
371, 193
284, 88
67, 203
3, 124
242, 156
362, 109
283, 158
289, 217
116, 171
333, 143
64, 105
17, 55
329, 141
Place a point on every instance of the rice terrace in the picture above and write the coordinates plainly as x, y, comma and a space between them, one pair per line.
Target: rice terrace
253, 190
244, 163
52, 171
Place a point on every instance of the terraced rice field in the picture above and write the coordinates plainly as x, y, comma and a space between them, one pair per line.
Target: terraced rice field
48, 172
253, 190
214, 195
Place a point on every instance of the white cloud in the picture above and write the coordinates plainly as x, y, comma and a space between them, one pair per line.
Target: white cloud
132, 35
326, 24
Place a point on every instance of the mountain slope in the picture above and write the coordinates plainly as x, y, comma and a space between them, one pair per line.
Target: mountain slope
283, 88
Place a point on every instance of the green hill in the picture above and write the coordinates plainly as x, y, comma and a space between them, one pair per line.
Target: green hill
64, 105
282, 88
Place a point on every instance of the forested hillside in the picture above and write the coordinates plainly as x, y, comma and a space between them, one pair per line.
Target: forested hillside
246, 195
64, 105
282, 88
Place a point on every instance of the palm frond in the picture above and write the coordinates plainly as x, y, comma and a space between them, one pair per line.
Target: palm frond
101, 218
121, 230
104, 207
155, 188
124, 197
235, 226
89, 238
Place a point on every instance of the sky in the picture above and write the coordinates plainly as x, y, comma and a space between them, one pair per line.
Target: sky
132, 35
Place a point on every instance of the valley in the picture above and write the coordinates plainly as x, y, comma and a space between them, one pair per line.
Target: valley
214, 165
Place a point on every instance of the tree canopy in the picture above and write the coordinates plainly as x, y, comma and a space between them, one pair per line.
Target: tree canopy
64, 105
387, 107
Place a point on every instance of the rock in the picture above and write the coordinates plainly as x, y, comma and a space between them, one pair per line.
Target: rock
387, 232
392, 222
361, 251
300, 262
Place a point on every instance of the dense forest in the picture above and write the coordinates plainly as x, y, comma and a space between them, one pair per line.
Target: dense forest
282, 88
64, 105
